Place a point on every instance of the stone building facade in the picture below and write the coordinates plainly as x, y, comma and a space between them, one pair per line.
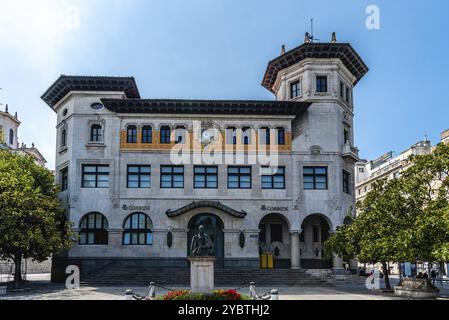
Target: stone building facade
129, 202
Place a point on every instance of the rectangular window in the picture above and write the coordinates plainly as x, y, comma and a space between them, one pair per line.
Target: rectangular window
95, 133
147, 134
276, 232
321, 84
239, 178
95, 176
172, 177
315, 178
342, 89
139, 177
346, 180
295, 89
273, 178
348, 95
206, 177
64, 177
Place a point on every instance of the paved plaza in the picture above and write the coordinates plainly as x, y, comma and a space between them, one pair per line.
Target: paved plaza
41, 289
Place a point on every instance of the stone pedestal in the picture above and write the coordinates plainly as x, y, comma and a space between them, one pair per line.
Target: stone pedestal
338, 266
202, 274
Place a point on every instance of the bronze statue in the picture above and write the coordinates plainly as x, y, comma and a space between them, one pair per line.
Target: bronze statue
202, 245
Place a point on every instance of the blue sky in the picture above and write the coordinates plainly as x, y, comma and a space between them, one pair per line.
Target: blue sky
219, 49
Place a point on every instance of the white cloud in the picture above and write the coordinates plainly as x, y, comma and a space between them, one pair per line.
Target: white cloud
36, 31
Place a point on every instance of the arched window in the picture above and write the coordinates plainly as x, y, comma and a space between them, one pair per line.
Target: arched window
147, 134
231, 135
96, 134
11, 136
93, 229
131, 136
165, 135
63, 138
265, 138
138, 230
246, 135
281, 136
180, 134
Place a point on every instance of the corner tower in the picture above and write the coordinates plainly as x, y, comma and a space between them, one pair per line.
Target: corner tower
323, 148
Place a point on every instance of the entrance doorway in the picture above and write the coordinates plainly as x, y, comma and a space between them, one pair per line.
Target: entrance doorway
213, 227
315, 231
274, 240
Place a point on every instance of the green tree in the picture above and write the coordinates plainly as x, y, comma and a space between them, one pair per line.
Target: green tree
32, 221
426, 183
405, 219
372, 235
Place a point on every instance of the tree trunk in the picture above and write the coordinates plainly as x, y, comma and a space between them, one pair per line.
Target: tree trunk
18, 271
386, 275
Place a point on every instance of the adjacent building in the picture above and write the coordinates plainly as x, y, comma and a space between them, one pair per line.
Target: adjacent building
9, 129
129, 202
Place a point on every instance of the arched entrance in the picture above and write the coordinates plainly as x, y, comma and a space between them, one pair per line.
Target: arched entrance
315, 231
213, 226
274, 239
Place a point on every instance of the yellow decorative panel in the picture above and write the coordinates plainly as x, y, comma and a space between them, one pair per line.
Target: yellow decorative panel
156, 145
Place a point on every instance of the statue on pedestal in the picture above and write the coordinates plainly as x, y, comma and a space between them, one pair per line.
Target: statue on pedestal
202, 245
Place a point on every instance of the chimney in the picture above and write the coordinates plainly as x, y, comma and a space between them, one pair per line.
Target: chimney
15, 115
6, 109
282, 49
334, 38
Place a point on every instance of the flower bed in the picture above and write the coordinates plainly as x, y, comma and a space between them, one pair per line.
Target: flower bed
229, 295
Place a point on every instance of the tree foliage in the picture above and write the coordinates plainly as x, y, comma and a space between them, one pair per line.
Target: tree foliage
32, 221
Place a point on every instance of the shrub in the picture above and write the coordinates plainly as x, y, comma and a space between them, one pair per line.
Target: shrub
228, 295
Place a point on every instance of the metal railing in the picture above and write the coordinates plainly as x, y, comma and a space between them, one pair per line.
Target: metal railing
151, 292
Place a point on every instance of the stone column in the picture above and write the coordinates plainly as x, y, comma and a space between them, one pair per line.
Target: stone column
295, 250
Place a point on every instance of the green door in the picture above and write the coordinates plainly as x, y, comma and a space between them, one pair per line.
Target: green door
213, 227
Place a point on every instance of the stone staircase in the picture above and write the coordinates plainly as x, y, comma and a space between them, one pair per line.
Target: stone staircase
336, 279
180, 277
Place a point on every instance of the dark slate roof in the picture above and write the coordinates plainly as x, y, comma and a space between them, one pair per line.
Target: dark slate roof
342, 51
244, 107
206, 204
65, 84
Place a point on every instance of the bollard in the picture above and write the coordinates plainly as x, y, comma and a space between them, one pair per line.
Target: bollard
274, 295
129, 295
152, 290
252, 291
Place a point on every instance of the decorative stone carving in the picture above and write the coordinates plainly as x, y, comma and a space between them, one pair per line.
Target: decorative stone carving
315, 150
203, 204
169, 239
242, 240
